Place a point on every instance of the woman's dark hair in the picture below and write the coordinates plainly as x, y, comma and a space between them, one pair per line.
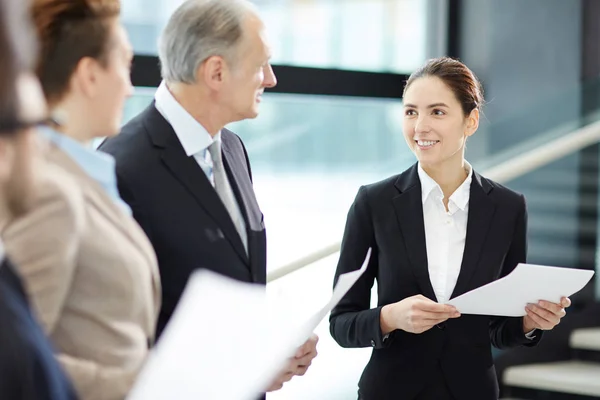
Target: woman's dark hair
457, 76
68, 31
17, 52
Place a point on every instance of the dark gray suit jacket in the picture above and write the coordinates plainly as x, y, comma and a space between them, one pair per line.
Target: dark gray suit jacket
178, 208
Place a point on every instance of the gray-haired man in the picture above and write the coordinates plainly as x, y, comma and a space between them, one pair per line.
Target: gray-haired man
186, 178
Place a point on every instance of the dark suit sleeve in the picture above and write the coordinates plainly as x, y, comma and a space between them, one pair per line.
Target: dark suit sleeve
352, 323
28, 369
126, 193
507, 332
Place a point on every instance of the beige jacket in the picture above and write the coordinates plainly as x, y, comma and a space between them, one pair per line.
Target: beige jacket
92, 277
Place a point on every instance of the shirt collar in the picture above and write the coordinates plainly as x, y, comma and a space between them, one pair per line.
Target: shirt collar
99, 166
460, 197
191, 134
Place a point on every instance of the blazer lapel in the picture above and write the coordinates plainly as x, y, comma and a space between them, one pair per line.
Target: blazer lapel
481, 213
187, 171
409, 212
103, 202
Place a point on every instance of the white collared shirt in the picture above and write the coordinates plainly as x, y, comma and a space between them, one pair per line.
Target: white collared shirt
194, 139
445, 232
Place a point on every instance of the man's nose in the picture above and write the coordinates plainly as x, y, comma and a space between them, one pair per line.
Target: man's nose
270, 79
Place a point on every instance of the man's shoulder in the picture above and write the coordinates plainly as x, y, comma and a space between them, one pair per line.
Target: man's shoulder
133, 143
131, 137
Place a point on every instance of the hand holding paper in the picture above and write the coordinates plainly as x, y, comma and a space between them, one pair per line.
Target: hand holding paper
545, 315
527, 284
297, 365
415, 314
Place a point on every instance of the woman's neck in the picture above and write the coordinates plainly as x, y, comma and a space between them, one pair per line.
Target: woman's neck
72, 123
449, 176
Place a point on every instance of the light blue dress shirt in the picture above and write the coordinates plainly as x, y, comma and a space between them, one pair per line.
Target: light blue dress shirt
99, 166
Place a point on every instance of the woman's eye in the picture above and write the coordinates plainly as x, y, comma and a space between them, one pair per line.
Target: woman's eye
438, 112
410, 112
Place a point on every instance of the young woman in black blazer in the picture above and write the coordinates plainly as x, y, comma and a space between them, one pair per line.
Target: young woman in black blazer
437, 230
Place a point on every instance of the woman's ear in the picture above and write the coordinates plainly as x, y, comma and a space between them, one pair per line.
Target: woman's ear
472, 122
85, 78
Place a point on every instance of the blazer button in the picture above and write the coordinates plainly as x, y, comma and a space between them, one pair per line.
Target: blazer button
372, 343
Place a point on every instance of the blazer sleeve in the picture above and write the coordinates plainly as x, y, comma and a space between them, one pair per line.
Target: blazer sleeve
44, 243
95, 382
506, 332
352, 322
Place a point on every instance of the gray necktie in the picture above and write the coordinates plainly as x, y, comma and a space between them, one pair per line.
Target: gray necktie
224, 190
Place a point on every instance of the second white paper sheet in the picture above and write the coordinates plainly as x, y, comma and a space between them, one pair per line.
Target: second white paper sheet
527, 283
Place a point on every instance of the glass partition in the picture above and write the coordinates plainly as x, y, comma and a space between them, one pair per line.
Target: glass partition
367, 35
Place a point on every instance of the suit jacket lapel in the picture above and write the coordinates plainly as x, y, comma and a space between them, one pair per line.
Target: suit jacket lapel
241, 184
409, 212
187, 171
239, 178
481, 213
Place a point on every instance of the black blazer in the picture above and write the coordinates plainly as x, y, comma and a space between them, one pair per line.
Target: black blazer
182, 214
388, 217
28, 369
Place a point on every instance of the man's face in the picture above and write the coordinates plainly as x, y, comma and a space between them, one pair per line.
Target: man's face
250, 74
20, 151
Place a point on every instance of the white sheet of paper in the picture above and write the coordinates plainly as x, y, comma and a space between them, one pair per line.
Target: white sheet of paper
223, 343
527, 283
344, 283
219, 344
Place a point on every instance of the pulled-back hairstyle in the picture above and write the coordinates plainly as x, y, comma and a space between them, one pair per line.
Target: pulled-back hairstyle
68, 31
458, 77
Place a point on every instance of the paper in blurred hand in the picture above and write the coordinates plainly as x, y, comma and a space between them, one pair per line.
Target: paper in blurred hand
222, 342
219, 344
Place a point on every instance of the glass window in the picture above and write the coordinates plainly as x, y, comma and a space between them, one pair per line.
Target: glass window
365, 35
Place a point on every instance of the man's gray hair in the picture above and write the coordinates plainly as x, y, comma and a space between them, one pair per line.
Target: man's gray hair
200, 29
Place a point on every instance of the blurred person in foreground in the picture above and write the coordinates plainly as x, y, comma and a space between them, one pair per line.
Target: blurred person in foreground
89, 269
28, 369
187, 178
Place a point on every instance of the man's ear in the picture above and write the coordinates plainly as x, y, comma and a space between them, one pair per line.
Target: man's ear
213, 72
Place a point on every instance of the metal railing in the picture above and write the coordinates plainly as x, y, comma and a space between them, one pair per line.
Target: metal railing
519, 165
